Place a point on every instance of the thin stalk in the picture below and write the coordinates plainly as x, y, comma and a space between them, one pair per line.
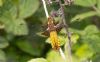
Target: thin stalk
62, 54
67, 47
45, 8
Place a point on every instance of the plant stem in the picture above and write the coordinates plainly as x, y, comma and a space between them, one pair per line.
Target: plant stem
67, 47
62, 54
45, 8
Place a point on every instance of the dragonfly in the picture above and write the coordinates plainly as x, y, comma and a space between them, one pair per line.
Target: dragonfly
51, 31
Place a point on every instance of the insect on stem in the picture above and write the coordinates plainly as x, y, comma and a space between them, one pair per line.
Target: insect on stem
45, 8
53, 34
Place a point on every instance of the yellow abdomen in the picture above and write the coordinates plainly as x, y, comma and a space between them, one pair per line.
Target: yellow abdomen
54, 40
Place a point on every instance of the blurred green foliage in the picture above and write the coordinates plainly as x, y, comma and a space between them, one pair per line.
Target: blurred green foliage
20, 31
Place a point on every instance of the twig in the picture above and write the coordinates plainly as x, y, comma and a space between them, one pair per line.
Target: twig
62, 54
45, 8
67, 33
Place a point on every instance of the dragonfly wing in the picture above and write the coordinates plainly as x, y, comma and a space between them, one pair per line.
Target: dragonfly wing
46, 33
59, 26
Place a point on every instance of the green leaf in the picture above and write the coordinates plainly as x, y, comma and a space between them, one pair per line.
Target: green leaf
20, 8
85, 3
84, 52
3, 42
15, 26
54, 56
98, 7
1, 3
74, 39
38, 60
2, 56
91, 36
27, 7
76, 59
27, 47
18, 27
8, 9
11, 24
13, 55
16, 2
93, 41
96, 58
98, 4
91, 29
82, 16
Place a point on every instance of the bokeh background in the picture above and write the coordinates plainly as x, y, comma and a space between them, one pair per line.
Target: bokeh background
21, 24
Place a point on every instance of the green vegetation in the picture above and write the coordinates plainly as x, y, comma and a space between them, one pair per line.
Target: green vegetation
21, 27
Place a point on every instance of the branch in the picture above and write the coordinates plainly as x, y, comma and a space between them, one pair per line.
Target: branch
45, 8
62, 54
67, 33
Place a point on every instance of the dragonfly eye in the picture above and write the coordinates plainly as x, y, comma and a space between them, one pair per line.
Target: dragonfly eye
50, 20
